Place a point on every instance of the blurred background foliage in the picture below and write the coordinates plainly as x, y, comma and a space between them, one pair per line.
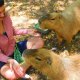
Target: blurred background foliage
36, 8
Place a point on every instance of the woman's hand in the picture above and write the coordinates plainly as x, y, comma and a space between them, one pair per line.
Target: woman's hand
35, 43
33, 32
12, 70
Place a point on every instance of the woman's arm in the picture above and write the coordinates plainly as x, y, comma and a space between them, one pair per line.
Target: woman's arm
9, 26
3, 57
11, 47
28, 31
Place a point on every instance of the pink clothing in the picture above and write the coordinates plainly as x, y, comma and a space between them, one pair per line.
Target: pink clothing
7, 43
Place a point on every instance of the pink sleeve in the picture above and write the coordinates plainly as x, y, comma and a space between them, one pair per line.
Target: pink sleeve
10, 47
3, 57
28, 31
20, 31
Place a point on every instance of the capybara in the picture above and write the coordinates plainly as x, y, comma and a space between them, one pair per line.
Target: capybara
56, 67
66, 23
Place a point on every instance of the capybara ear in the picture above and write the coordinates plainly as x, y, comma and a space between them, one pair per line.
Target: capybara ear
53, 15
49, 16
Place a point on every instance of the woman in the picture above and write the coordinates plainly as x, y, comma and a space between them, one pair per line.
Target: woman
7, 45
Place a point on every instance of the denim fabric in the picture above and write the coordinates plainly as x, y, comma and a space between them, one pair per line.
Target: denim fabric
1, 64
22, 45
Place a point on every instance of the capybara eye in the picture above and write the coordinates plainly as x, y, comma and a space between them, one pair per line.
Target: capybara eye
53, 19
38, 58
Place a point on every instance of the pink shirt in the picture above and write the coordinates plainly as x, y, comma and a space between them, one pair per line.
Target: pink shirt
7, 43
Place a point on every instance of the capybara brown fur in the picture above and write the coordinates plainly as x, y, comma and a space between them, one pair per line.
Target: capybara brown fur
56, 67
66, 24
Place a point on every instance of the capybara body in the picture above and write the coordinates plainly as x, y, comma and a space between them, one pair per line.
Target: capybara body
56, 67
66, 24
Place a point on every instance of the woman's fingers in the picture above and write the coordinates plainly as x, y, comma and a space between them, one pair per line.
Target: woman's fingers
36, 34
12, 70
7, 72
35, 43
15, 66
31, 31
18, 69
